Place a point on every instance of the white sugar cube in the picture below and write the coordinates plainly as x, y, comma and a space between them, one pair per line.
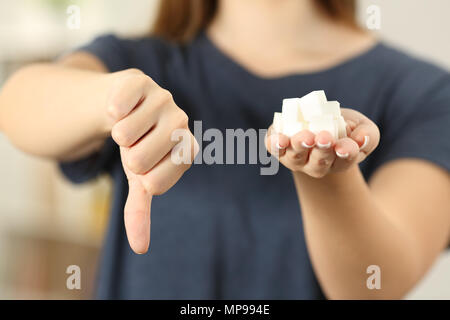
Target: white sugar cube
312, 112
332, 107
314, 98
277, 122
292, 128
342, 127
312, 104
323, 123
291, 110
337, 132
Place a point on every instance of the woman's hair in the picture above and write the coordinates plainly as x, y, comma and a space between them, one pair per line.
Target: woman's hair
181, 20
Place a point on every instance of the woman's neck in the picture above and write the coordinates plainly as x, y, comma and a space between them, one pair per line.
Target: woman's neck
275, 37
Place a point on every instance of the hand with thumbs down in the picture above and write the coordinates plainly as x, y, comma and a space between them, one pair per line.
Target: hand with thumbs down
144, 116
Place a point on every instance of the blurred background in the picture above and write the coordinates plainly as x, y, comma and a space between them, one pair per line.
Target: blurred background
46, 224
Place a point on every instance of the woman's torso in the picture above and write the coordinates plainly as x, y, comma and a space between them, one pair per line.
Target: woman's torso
224, 230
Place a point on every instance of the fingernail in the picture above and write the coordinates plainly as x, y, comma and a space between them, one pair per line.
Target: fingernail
324, 146
279, 147
307, 145
342, 155
366, 142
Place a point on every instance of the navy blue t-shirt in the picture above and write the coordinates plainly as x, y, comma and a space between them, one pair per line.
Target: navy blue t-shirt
225, 231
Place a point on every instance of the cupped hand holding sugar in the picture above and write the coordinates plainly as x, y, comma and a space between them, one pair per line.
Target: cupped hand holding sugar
316, 136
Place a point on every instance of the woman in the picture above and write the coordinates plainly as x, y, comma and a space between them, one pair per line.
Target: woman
225, 231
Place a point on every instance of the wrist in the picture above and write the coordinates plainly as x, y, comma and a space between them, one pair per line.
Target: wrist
332, 179
104, 120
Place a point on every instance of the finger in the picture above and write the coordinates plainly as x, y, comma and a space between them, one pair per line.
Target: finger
363, 130
305, 139
186, 149
137, 216
346, 151
367, 137
163, 176
349, 127
135, 125
147, 152
301, 143
322, 156
277, 143
126, 94
364, 137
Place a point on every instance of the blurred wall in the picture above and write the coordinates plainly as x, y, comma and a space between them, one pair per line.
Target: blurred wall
421, 28
46, 224
44, 219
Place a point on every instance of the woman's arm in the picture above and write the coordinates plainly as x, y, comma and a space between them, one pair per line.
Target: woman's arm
66, 111
400, 222
57, 110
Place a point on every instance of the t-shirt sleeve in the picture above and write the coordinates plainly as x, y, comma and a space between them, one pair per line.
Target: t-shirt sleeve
111, 51
93, 165
416, 121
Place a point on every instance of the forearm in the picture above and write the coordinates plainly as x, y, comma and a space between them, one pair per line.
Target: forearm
55, 111
347, 230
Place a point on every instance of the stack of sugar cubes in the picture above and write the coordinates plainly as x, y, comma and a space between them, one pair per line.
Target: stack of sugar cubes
312, 112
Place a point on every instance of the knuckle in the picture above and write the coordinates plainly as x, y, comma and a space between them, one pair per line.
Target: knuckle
298, 156
322, 163
134, 71
119, 98
143, 79
129, 80
135, 162
161, 98
121, 135
140, 82
117, 103
165, 96
113, 110
153, 185
182, 119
